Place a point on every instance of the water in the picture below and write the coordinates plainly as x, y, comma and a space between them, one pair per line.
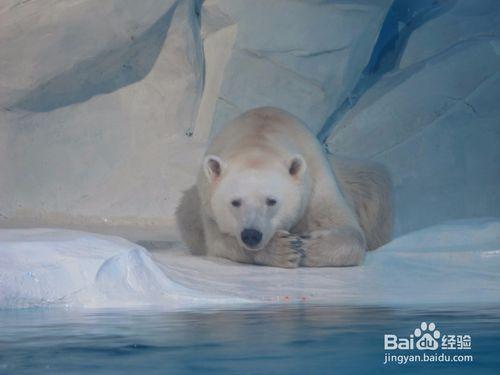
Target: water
278, 340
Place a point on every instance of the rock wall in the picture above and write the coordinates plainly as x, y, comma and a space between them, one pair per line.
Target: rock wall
434, 118
106, 106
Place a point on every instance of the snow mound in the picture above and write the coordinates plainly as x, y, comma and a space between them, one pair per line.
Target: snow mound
457, 262
44, 267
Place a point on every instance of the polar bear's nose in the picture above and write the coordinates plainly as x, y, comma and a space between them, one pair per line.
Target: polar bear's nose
251, 237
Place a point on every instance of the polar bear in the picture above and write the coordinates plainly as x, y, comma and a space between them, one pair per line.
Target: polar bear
267, 194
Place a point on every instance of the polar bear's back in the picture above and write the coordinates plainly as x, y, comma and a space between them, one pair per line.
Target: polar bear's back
366, 186
264, 121
267, 130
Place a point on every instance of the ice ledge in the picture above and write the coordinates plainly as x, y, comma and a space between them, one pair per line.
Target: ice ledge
457, 262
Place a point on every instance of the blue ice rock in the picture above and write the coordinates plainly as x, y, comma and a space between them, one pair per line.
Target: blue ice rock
433, 118
302, 56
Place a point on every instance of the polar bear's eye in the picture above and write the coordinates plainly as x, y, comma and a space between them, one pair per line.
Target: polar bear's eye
271, 201
236, 202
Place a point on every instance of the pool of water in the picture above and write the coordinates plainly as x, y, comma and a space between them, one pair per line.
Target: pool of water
279, 340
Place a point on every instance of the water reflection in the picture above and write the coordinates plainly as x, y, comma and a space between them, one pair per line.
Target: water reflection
298, 339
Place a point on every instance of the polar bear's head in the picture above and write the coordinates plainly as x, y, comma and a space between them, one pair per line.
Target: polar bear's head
253, 198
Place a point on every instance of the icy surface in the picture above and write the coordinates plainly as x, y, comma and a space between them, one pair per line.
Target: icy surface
457, 262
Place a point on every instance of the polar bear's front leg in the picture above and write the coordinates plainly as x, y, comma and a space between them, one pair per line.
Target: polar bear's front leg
284, 250
343, 246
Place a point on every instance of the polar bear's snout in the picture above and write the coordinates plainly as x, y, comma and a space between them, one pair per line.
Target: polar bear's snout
251, 237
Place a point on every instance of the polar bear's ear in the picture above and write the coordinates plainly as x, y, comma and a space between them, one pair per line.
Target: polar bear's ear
213, 166
297, 165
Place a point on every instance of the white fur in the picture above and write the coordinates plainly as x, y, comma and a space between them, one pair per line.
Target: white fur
252, 188
316, 220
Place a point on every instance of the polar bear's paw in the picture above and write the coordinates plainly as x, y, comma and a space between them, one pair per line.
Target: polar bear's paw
285, 250
338, 247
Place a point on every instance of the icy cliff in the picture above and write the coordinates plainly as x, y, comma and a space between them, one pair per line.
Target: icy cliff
107, 106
